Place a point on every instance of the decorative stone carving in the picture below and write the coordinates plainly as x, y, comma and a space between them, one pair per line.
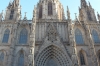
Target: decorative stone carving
51, 33
30, 60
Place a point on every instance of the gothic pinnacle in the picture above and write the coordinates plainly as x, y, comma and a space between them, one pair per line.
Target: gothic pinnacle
68, 13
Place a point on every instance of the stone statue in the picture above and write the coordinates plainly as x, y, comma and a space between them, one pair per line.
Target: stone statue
30, 60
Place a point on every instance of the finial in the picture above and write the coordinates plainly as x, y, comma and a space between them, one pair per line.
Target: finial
34, 14
75, 15
67, 8
34, 11
25, 18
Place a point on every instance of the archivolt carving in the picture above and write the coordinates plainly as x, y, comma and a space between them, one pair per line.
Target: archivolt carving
52, 53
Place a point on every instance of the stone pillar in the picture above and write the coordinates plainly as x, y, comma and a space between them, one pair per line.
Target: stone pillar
72, 44
92, 53
32, 41
12, 47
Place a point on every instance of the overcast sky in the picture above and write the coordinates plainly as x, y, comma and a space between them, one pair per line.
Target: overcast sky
28, 6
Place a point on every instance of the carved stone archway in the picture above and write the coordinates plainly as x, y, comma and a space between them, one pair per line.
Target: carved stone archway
52, 55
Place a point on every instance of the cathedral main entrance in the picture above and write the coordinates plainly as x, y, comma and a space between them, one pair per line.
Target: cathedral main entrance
52, 56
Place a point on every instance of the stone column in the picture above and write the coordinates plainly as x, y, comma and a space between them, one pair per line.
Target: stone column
72, 44
32, 40
12, 47
92, 53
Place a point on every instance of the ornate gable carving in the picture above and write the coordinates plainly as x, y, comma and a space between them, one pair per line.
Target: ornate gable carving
51, 33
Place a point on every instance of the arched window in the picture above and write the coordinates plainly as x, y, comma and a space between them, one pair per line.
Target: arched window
21, 59
95, 36
23, 36
50, 11
6, 36
1, 56
78, 37
40, 11
82, 59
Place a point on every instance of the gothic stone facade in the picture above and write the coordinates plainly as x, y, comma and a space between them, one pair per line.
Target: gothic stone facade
49, 39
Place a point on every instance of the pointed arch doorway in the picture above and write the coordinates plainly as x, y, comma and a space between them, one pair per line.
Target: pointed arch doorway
52, 56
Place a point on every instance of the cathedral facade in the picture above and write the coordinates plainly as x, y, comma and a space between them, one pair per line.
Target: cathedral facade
49, 39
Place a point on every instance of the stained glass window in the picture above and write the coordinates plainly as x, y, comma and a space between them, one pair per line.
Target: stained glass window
78, 37
82, 59
21, 60
95, 36
23, 36
1, 56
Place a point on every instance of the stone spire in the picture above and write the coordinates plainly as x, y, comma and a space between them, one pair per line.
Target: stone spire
81, 15
68, 13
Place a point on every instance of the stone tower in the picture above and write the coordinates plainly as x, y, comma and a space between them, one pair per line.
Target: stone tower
50, 9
